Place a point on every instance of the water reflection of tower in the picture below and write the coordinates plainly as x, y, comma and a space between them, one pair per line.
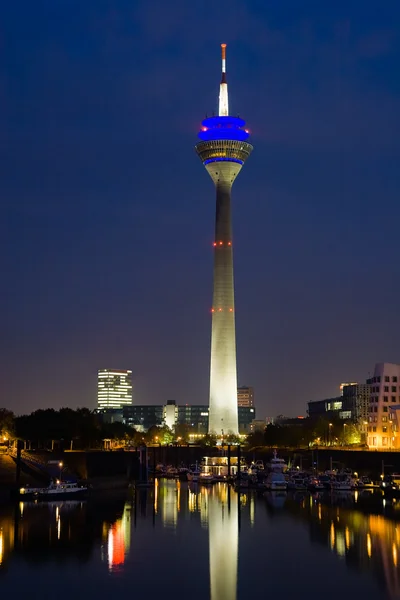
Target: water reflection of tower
223, 525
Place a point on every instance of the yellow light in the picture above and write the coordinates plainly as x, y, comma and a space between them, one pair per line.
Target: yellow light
60, 464
22, 491
347, 537
1, 547
332, 535
394, 552
369, 545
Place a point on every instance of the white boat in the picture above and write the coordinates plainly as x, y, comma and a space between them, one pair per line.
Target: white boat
342, 483
275, 480
58, 489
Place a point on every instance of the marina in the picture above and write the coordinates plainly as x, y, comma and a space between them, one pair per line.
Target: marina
351, 540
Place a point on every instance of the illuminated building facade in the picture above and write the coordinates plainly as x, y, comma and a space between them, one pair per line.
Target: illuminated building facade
114, 389
383, 419
245, 396
194, 416
223, 150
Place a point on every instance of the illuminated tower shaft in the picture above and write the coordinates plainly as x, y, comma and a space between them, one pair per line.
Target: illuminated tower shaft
223, 152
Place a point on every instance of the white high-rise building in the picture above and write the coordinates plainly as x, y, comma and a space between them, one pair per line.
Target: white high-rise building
383, 424
114, 388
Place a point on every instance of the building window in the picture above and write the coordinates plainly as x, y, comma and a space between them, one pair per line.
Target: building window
385, 409
391, 417
374, 429
384, 441
394, 379
384, 429
374, 441
384, 419
385, 399
370, 419
393, 398
378, 379
375, 409
387, 378
386, 388
394, 388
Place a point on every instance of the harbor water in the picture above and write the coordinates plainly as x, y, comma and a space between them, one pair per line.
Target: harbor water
202, 542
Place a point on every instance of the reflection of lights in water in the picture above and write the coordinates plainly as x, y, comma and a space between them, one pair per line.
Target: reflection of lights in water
223, 539
337, 515
369, 545
58, 528
156, 484
169, 504
347, 537
394, 553
243, 499
356, 495
57, 513
319, 512
332, 535
116, 547
340, 544
192, 501
178, 491
1, 546
252, 510
119, 539
21, 509
311, 501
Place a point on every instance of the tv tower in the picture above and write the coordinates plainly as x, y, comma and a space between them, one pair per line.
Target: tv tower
223, 151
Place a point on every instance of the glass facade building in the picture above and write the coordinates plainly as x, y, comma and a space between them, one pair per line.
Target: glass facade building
114, 389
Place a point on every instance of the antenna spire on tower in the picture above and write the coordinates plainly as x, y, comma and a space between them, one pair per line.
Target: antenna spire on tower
223, 88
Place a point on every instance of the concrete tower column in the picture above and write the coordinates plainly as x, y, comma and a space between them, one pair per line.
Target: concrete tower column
223, 414
223, 151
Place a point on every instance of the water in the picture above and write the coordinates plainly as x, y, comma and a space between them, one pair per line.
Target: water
202, 543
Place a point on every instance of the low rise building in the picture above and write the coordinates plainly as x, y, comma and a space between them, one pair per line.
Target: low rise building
384, 407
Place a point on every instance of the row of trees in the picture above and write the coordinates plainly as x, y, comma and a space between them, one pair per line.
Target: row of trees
82, 428
307, 432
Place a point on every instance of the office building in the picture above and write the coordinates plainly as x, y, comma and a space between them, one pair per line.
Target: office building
384, 406
245, 396
142, 417
223, 151
114, 389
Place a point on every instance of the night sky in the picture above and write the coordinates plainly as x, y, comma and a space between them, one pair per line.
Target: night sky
108, 215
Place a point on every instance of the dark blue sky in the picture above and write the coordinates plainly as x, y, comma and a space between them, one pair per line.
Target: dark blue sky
107, 213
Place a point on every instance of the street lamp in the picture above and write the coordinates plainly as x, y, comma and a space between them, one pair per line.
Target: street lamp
60, 464
344, 433
330, 433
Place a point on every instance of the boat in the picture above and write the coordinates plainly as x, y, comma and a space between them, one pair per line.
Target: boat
365, 483
298, 482
342, 483
193, 474
315, 485
275, 480
56, 490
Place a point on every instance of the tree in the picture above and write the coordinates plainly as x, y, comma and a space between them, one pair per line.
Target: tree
6, 424
209, 440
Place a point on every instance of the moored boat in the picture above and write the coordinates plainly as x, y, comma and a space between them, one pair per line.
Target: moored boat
275, 480
56, 490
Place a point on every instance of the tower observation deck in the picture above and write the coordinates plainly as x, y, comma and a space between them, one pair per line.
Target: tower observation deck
223, 149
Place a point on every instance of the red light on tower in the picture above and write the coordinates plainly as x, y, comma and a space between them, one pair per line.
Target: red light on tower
220, 243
